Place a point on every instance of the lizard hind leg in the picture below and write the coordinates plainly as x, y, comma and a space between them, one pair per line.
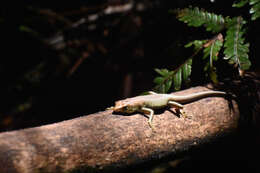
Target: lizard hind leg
178, 107
175, 104
151, 113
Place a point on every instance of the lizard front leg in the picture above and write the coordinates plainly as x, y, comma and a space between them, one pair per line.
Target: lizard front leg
151, 113
179, 107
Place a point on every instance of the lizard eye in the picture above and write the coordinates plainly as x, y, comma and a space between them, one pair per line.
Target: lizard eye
125, 108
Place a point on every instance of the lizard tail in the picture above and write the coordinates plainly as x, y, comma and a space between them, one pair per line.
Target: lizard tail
197, 96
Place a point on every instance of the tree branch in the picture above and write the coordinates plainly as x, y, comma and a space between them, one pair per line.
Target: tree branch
103, 140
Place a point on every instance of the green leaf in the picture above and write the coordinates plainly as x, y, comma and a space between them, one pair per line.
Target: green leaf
212, 51
186, 70
181, 74
213, 76
158, 80
240, 3
164, 81
196, 43
255, 9
252, 2
168, 85
197, 17
177, 80
206, 67
27, 29
163, 72
236, 50
211, 73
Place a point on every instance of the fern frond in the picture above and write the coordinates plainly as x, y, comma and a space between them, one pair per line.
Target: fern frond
236, 50
177, 77
164, 81
197, 17
240, 3
255, 9
212, 51
198, 44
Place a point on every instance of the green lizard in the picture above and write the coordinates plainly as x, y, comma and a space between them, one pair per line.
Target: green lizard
146, 104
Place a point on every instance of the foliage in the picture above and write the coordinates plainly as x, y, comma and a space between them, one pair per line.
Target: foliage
196, 17
254, 10
164, 81
240, 3
235, 49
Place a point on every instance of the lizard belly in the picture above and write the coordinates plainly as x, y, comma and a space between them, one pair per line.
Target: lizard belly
156, 103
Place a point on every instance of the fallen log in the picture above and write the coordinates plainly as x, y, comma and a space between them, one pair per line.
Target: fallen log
106, 141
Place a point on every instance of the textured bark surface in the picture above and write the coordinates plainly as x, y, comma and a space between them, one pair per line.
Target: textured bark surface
105, 140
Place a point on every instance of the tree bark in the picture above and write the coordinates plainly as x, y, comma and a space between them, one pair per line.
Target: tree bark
106, 141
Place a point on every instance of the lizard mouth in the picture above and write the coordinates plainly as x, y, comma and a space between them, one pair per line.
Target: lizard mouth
118, 109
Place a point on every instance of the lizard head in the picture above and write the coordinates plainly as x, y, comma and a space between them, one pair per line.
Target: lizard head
125, 107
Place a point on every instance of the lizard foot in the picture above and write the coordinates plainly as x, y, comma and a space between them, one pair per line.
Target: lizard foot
184, 114
151, 125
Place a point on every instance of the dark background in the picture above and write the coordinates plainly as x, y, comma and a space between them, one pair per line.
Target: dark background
94, 63
86, 70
